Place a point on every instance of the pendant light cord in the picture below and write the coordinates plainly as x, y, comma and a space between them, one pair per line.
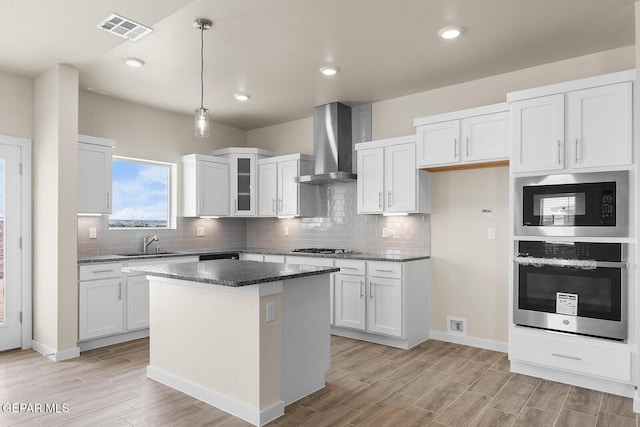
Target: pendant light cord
202, 65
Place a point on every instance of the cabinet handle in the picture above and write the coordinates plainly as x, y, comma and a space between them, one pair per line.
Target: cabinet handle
108, 200
566, 356
467, 150
102, 271
389, 199
455, 148
119, 290
281, 203
361, 289
235, 205
200, 203
559, 157
273, 205
385, 271
370, 289
349, 268
577, 146
380, 199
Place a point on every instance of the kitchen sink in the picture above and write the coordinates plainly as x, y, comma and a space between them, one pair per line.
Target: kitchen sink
150, 254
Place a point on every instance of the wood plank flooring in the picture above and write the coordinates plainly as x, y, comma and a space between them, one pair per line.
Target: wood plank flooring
433, 384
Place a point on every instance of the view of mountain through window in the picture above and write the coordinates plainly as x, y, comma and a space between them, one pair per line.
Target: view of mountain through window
140, 194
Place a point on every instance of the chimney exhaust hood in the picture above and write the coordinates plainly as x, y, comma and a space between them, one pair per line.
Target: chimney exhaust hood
336, 128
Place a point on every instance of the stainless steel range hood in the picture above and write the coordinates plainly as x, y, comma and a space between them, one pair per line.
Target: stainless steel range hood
336, 128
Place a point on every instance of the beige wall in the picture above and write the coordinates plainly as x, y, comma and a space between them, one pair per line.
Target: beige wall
16, 106
55, 294
469, 272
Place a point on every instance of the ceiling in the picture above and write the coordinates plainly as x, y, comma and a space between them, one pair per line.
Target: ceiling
273, 49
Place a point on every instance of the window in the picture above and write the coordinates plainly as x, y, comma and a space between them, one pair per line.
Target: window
142, 194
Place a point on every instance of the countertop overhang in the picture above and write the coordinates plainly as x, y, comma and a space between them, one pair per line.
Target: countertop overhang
230, 272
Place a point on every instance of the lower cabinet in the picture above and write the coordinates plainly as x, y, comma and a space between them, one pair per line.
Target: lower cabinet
350, 301
111, 302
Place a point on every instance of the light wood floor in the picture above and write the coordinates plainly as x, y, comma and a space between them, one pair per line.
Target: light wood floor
436, 383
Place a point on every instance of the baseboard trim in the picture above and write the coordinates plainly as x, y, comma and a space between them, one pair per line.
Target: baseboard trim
113, 339
636, 402
470, 341
251, 415
56, 356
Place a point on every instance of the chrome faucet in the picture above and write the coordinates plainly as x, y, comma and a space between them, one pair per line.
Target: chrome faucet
146, 241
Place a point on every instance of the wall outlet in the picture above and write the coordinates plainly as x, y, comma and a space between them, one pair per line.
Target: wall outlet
456, 325
286, 231
491, 233
271, 311
385, 232
93, 233
200, 231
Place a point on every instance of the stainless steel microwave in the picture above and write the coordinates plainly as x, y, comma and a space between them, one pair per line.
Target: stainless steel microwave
581, 204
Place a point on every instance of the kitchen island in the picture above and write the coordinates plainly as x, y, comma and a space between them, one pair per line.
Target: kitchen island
244, 336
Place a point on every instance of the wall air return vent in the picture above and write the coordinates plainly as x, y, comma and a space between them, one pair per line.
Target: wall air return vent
124, 27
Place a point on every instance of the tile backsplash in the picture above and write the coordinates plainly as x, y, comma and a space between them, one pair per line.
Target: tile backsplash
337, 226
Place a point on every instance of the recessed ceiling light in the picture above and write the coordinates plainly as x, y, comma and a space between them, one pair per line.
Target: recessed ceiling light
329, 70
134, 62
450, 32
241, 96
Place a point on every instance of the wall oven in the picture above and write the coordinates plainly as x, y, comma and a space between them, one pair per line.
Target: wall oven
582, 204
575, 287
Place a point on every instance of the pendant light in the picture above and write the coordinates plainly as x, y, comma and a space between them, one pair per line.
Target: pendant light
202, 114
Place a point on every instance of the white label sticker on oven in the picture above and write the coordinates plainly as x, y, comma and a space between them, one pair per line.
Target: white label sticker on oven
567, 303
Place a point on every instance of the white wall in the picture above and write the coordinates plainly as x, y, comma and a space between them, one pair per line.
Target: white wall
16, 105
469, 273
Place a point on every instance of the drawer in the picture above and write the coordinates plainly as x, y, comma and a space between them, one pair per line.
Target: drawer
318, 261
385, 269
351, 267
100, 271
252, 257
274, 258
599, 361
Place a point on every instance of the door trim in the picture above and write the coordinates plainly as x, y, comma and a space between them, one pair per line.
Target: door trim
26, 219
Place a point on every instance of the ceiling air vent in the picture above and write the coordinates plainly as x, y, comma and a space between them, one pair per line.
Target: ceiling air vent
124, 27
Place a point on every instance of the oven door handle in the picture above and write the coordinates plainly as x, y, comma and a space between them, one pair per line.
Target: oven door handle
585, 264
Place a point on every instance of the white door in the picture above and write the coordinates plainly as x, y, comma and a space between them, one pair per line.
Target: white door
94, 178
349, 297
485, 137
213, 180
288, 187
438, 144
538, 134
384, 312
400, 178
13, 215
267, 184
370, 180
137, 302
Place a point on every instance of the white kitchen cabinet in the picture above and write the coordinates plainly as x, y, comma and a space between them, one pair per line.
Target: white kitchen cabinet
576, 127
350, 301
476, 135
100, 300
278, 192
388, 181
243, 182
94, 174
251, 257
205, 184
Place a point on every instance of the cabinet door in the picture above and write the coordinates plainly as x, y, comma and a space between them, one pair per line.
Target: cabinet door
485, 137
438, 143
137, 302
349, 295
400, 178
243, 185
538, 134
384, 311
267, 189
600, 124
100, 308
94, 179
213, 188
287, 188
370, 180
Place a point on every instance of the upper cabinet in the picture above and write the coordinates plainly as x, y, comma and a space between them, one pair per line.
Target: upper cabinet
388, 181
94, 174
462, 138
278, 192
581, 124
205, 184
243, 183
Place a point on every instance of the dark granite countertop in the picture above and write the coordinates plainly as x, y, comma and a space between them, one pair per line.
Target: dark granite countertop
391, 255
231, 272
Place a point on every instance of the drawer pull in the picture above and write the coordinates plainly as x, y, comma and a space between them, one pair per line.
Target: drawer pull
566, 356
349, 268
102, 271
385, 271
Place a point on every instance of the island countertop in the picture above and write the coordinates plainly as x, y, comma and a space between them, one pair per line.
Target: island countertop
230, 272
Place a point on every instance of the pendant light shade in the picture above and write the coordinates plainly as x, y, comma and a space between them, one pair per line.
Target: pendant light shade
202, 114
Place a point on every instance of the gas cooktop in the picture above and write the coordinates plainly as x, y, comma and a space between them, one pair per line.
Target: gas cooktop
322, 251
